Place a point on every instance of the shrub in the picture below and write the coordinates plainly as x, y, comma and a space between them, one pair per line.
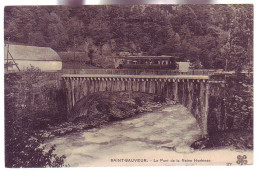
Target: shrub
23, 144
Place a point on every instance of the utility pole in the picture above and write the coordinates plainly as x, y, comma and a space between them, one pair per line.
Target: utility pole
225, 81
226, 64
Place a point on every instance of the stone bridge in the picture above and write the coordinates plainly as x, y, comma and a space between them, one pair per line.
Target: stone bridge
192, 91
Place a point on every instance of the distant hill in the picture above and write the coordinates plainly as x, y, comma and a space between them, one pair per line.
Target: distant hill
210, 35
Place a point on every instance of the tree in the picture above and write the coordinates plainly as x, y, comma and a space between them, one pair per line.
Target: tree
23, 145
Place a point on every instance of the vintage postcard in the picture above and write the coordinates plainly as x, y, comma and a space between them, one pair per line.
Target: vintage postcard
128, 85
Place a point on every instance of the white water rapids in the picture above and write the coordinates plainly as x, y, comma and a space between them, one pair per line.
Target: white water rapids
172, 126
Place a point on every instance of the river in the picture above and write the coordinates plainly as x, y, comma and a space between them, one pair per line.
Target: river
171, 126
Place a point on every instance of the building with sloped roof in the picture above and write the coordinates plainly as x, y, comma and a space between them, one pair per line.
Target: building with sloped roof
22, 57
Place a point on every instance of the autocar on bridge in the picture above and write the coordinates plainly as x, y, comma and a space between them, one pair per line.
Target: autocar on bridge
145, 62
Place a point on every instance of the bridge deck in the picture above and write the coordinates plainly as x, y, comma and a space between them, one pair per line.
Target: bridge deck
203, 77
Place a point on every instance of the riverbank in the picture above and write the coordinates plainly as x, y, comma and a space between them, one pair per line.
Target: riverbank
232, 139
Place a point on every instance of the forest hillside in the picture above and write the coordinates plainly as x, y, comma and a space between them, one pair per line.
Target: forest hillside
210, 36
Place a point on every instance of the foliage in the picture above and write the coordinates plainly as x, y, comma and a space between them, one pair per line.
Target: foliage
230, 120
24, 148
23, 144
240, 102
217, 36
233, 109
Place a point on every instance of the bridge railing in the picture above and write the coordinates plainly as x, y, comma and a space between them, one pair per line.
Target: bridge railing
139, 71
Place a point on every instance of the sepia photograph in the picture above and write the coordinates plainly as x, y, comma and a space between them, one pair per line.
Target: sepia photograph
128, 85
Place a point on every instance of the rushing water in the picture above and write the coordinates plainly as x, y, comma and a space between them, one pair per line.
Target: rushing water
172, 126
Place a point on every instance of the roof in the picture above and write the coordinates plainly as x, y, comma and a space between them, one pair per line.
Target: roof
33, 53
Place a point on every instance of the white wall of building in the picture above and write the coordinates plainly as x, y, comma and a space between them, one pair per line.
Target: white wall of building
44, 58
